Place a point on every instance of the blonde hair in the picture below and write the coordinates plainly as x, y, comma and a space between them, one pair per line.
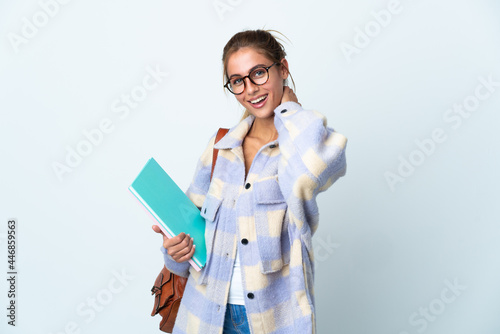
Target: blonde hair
264, 42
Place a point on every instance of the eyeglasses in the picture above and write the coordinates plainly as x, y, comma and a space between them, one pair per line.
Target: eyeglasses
257, 76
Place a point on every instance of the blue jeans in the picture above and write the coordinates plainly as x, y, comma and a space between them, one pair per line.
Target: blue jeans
236, 321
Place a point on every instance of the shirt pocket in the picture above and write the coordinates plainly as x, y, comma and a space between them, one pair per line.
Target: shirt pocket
210, 210
271, 224
267, 191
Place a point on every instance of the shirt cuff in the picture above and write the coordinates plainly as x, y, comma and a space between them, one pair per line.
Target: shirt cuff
180, 269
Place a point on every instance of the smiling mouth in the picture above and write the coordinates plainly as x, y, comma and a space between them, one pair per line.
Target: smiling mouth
260, 99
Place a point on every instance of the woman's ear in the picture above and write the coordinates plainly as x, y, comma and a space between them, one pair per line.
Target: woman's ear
284, 69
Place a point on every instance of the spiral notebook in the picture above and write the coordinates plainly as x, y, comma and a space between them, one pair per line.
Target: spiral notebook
171, 209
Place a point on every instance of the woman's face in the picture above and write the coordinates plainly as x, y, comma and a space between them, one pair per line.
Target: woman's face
241, 63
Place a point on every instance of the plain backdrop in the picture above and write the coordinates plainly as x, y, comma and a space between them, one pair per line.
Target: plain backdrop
408, 239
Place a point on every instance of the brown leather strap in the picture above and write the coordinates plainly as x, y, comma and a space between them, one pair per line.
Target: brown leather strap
221, 133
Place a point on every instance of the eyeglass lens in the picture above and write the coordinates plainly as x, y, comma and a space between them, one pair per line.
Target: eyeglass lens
258, 76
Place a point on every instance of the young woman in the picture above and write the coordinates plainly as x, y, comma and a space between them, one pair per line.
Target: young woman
260, 207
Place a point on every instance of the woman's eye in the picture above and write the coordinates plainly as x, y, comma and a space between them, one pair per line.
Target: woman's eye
236, 82
258, 72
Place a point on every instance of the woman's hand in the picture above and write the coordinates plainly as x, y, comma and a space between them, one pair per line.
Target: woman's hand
180, 247
288, 95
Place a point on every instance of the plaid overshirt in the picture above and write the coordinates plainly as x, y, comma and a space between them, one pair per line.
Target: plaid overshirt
271, 216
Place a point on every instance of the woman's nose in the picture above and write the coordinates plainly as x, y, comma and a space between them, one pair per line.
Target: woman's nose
250, 87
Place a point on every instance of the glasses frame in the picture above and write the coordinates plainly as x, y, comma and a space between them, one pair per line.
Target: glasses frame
248, 76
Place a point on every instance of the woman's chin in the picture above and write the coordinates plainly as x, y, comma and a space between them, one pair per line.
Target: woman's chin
261, 113
265, 112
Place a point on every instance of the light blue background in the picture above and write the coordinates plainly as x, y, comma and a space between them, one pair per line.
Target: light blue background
381, 255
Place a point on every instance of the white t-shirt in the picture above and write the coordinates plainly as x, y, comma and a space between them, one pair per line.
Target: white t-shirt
236, 286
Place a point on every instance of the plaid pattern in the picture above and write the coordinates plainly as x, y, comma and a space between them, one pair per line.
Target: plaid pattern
271, 216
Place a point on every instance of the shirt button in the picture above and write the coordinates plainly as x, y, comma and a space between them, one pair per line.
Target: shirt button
272, 146
250, 295
218, 308
247, 185
205, 211
244, 241
283, 111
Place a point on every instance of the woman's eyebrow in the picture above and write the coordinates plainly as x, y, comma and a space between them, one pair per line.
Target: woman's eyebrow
250, 71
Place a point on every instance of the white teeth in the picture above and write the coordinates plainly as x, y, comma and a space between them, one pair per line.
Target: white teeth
259, 99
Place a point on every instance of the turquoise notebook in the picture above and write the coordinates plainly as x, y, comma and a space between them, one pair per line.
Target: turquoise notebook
172, 209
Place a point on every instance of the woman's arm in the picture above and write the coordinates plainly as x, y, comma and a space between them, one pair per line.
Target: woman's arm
312, 159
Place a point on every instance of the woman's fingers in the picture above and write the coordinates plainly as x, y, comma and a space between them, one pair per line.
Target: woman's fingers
190, 251
180, 247
288, 95
157, 229
171, 243
188, 255
180, 250
284, 97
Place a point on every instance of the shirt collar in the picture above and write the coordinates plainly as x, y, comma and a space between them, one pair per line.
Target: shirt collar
234, 137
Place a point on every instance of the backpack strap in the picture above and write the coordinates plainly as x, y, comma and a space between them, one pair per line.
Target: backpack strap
221, 133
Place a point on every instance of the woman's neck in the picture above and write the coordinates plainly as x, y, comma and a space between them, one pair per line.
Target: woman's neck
263, 129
